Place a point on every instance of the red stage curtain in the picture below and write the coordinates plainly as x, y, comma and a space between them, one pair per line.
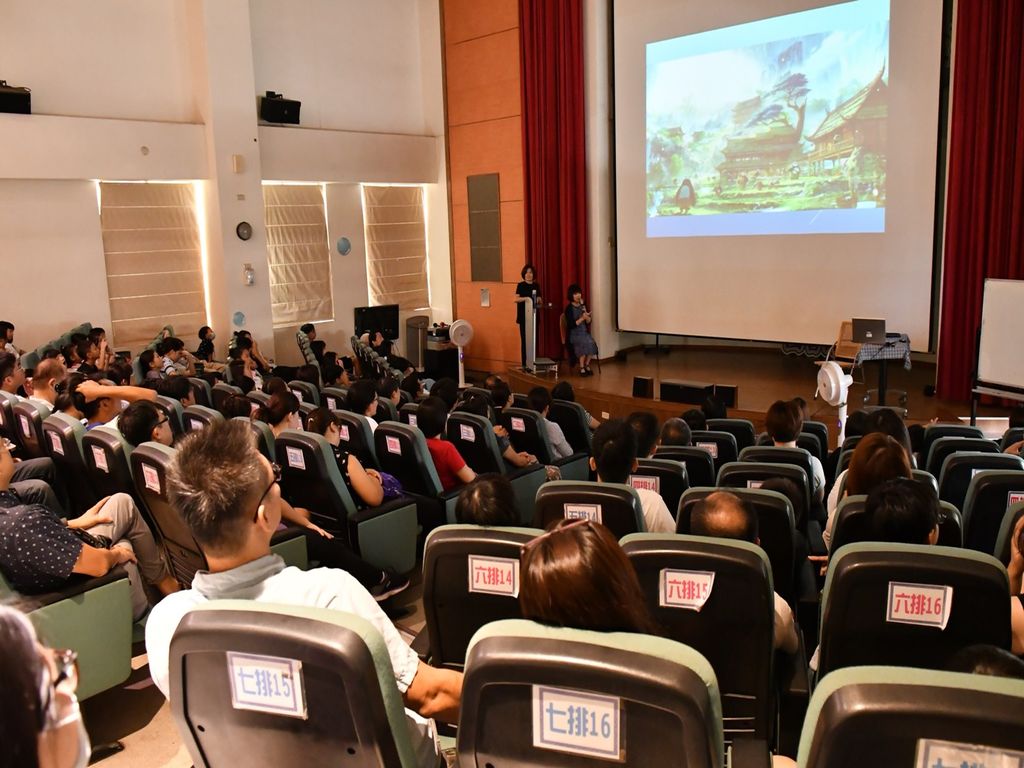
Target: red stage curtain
985, 200
554, 154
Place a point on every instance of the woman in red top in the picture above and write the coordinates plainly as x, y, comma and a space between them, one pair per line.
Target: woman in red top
451, 469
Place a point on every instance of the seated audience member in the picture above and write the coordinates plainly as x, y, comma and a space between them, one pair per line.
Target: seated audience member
490, 380
7, 339
142, 421
244, 341
388, 390
275, 385
888, 422
364, 485
336, 376
101, 404
177, 361
988, 660
476, 404
1016, 421
645, 425
783, 423
1015, 570
613, 457
724, 515
39, 552
177, 388
151, 364
448, 390
501, 396
576, 575
412, 386
540, 401
310, 330
237, 405
876, 459
281, 412
916, 434
488, 500
452, 470
563, 391
251, 366
12, 375
329, 358
362, 399
89, 353
856, 426
903, 511
385, 348
309, 374
791, 491
205, 350
675, 433
46, 377
695, 418
70, 354
64, 402
42, 723
713, 408
228, 495
240, 370
120, 372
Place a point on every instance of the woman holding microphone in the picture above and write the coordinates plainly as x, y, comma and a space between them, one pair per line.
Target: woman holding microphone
577, 320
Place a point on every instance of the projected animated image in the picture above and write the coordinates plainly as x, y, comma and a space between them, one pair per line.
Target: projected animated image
772, 127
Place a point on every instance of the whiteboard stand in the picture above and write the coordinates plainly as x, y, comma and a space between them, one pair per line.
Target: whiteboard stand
999, 365
980, 389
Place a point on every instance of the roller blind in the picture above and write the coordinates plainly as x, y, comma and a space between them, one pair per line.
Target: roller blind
396, 246
298, 254
154, 265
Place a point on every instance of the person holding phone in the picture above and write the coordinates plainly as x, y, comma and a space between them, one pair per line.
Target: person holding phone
528, 288
577, 320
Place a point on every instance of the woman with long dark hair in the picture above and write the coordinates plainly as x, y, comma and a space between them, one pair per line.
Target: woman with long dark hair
528, 288
577, 321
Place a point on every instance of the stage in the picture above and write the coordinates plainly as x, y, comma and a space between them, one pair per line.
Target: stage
761, 376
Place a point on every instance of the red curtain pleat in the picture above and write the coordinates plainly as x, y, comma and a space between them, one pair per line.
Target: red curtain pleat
554, 154
985, 199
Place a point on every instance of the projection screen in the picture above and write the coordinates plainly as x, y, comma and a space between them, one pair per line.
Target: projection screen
776, 166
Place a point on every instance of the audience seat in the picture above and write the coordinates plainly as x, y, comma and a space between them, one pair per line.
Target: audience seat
732, 625
721, 446
665, 693
614, 505
1004, 539
770, 454
528, 432
934, 432
775, 525
305, 392
349, 709
484, 393
470, 578
989, 495
669, 476
1011, 436
927, 478
91, 616
402, 451
572, 418
958, 469
198, 417
851, 523
106, 455
173, 410
222, 392
335, 398
750, 474
357, 437
264, 436
386, 410
893, 716
63, 436
700, 466
258, 398
474, 438
520, 400
407, 413
384, 535
947, 446
820, 430
741, 429
202, 392
7, 402
28, 424
864, 586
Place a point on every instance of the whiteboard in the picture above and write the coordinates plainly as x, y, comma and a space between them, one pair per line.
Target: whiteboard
1001, 351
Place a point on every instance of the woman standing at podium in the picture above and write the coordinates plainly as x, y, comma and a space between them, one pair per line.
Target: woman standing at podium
528, 288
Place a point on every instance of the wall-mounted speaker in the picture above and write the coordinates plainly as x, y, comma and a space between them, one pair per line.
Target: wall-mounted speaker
643, 386
275, 108
727, 394
691, 392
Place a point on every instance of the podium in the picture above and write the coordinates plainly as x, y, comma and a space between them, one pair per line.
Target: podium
535, 364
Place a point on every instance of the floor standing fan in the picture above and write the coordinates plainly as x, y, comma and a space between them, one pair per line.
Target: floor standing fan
461, 333
833, 386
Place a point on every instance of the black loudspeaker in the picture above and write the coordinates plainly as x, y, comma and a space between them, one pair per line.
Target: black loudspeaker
726, 394
15, 100
692, 392
275, 108
643, 386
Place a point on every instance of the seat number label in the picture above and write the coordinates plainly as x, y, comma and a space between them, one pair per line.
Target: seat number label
151, 477
267, 684
1013, 497
684, 589
295, 458
926, 605
494, 575
577, 722
755, 484
590, 512
711, 448
58, 447
99, 458
343, 430
933, 753
645, 483
518, 424
393, 444
466, 433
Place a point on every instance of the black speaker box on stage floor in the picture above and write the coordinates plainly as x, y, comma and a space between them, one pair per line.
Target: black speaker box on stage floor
691, 392
275, 108
15, 100
643, 386
726, 394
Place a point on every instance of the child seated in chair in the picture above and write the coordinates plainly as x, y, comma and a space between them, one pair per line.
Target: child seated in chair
452, 469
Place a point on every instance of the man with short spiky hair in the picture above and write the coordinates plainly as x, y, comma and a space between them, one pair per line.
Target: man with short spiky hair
227, 492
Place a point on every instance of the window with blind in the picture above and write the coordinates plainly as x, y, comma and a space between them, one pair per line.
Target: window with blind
151, 244
396, 246
298, 254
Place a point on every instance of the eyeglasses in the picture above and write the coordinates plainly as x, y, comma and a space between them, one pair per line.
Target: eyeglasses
534, 542
161, 422
276, 469
60, 665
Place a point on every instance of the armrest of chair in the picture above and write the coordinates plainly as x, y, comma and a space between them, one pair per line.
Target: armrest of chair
514, 473
386, 536
815, 539
77, 585
290, 544
385, 508
794, 694
525, 483
422, 645
574, 467
749, 753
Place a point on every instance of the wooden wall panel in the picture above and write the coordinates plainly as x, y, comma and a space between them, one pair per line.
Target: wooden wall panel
469, 19
483, 80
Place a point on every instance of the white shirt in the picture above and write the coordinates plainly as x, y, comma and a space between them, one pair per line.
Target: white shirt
40, 403
9, 347
831, 506
784, 636
268, 580
556, 437
657, 518
373, 423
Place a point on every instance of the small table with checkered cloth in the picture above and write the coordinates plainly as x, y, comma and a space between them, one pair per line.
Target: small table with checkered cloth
895, 347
